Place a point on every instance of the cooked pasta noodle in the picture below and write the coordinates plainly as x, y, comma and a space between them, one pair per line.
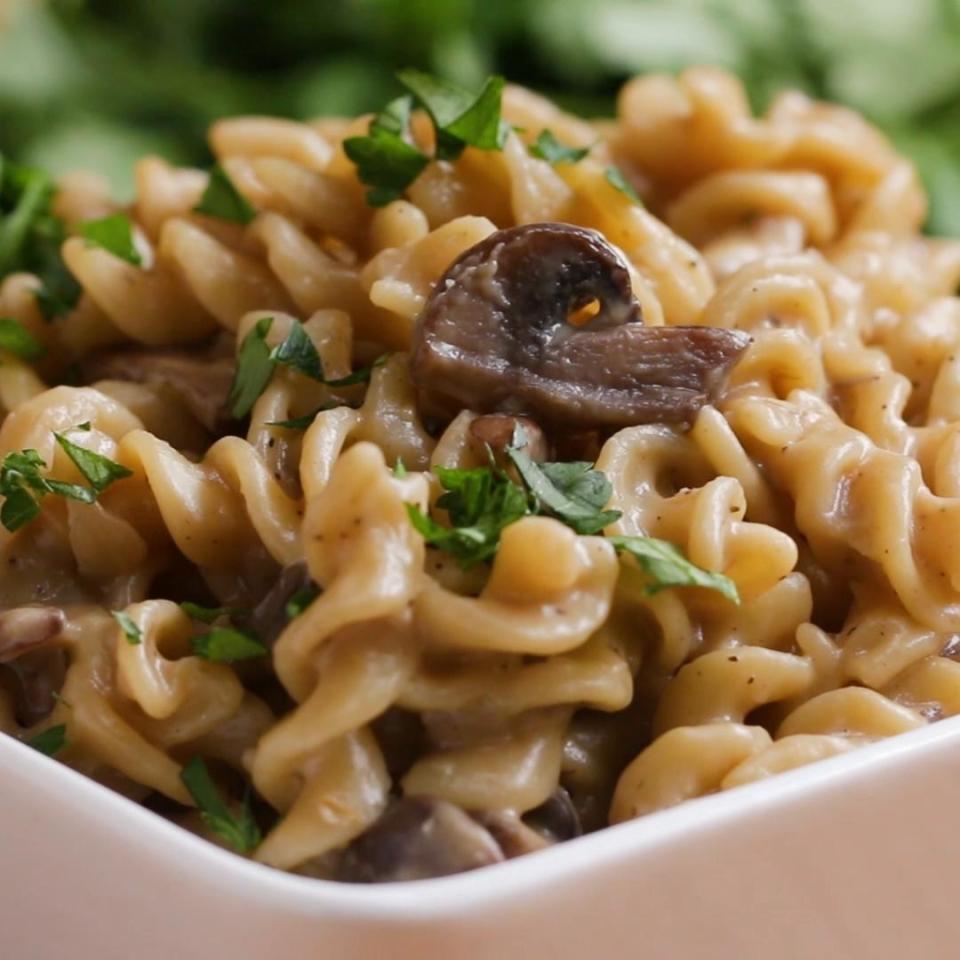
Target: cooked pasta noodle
823, 479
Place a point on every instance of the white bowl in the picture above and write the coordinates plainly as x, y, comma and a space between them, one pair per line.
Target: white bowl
853, 857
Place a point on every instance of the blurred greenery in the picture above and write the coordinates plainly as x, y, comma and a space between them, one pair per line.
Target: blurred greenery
95, 83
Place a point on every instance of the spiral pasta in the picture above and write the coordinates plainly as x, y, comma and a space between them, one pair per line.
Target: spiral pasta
545, 688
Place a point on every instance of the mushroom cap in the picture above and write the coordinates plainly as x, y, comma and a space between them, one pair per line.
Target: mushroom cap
495, 335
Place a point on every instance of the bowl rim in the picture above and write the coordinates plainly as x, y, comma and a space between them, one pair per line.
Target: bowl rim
445, 898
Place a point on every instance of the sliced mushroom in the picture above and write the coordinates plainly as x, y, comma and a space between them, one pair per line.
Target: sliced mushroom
496, 431
495, 335
514, 837
203, 383
27, 628
38, 668
417, 838
269, 616
556, 819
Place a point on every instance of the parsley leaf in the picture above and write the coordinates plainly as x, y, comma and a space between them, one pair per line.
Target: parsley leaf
298, 352
301, 423
480, 503
300, 601
572, 492
226, 644
460, 117
223, 200
31, 236
666, 566
385, 161
204, 614
359, 376
548, 147
22, 486
240, 831
115, 235
614, 176
50, 741
131, 631
99, 471
399, 468
16, 339
254, 369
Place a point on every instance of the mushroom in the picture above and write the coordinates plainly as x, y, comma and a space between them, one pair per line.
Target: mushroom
496, 335
269, 617
26, 637
495, 432
417, 838
203, 383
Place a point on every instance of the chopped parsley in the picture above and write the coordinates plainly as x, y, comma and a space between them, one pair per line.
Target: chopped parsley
254, 369
132, 633
23, 486
387, 162
301, 423
240, 830
460, 118
301, 600
227, 644
548, 147
614, 176
399, 468
666, 566
204, 614
99, 471
31, 236
572, 492
256, 362
482, 501
223, 200
16, 339
50, 741
115, 235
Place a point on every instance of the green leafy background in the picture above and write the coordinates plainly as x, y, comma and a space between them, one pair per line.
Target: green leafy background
95, 83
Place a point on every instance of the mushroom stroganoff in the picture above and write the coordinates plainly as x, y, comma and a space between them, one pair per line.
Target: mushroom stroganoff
410, 493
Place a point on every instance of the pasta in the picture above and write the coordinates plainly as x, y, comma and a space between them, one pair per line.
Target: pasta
250, 615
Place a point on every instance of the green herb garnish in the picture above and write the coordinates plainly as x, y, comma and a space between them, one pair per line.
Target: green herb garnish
254, 369
480, 503
614, 176
241, 830
115, 235
399, 468
460, 118
99, 471
132, 633
50, 741
298, 352
22, 485
227, 644
301, 600
31, 236
256, 362
204, 614
16, 339
548, 147
572, 492
386, 162
666, 566
223, 200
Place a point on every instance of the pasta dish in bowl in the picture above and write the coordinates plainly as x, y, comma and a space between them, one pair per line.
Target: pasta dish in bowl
409, 493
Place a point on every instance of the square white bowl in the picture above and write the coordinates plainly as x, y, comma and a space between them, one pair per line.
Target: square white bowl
853, 857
